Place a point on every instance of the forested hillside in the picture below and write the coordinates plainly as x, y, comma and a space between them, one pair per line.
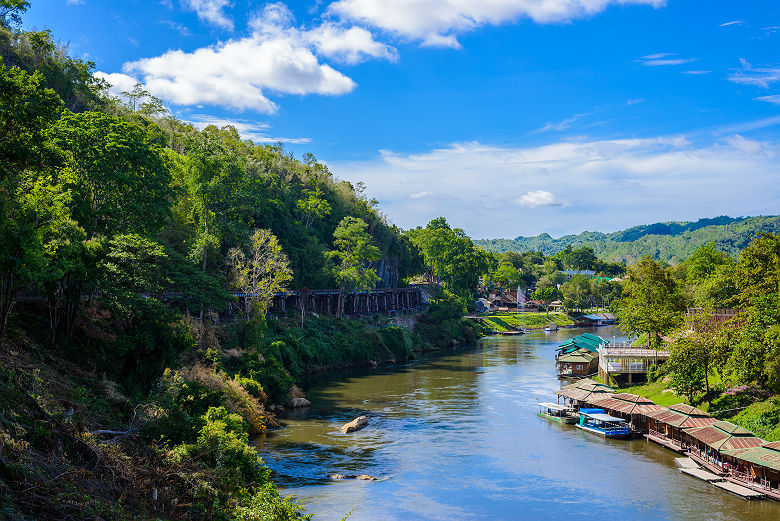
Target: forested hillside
123, 232
667, 241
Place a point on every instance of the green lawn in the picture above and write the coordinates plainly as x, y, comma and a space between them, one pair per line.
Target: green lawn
659, 392
508, 321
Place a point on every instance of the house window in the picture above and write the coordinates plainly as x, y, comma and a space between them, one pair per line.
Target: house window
579, 367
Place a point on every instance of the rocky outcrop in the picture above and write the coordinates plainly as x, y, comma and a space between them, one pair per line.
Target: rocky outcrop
298, 402
355, 425
364, 477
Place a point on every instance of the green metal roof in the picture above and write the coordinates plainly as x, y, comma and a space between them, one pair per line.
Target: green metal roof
766, 456
578, 356
581, 342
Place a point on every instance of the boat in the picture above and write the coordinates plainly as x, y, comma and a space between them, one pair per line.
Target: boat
557, 413
601, 423
551, 328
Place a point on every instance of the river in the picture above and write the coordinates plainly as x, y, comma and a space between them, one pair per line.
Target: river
457, 437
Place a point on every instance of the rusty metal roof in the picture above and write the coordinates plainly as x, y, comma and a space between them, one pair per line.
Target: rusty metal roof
766, 456
723, 435
688, 410
627, 397
709, 435
697, 421
732, 429
615, 403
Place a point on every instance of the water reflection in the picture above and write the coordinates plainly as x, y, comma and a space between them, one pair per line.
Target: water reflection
457, 438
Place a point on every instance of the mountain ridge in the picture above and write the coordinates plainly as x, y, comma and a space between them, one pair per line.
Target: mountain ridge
668, 240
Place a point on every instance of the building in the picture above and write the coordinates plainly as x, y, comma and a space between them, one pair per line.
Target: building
667, 425
597, 319
756, 467
627, 362
706, 444
631, 407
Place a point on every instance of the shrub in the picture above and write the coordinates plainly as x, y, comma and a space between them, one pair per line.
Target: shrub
266, 505
222, 444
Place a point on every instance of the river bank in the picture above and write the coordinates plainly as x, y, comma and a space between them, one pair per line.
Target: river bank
457, 437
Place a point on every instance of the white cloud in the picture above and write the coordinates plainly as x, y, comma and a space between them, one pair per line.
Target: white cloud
420, 195
277, 57
247, 129
352, 45
735, 22
603, 185
757, 76
74, 2
663, 58
537, 198
696, 73
774, 98
176, 26
438, 22
211, 11
119, 82
564, 124
749, 146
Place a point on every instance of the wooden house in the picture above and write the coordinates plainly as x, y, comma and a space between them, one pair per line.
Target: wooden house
705, 444
631, 407
583, 391
666, 426
756, 467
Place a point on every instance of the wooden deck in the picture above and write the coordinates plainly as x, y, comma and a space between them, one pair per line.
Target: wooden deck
701, 474
740, 490
771, 494
666, 442
706, 464
686, 463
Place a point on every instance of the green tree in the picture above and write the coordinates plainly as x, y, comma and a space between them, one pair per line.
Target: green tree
686, 367
262, 273
11, 11
651, 301
546, 295
313, 207
758, 269
354, 255
506, 276
132, 279
450, 256
32, 199
577, 290
756, 345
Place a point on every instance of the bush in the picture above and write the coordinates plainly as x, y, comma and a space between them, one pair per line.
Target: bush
223, 445
266, 505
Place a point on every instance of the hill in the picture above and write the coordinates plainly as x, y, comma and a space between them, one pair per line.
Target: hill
668, 241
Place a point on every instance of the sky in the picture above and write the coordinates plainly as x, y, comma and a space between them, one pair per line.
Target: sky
507, 117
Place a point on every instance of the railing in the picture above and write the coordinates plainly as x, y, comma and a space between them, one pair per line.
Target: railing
663, 436
749, 479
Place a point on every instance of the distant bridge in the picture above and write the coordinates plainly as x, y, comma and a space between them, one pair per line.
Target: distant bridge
325, 301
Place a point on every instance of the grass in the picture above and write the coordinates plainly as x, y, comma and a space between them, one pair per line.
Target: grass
508, 321
658, 391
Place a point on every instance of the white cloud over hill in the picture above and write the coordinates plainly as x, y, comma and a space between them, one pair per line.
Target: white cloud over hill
495, 191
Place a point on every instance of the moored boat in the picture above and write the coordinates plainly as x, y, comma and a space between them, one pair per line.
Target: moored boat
557, 413
601, 423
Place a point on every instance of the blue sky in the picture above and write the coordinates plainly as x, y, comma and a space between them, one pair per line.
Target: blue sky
508, 117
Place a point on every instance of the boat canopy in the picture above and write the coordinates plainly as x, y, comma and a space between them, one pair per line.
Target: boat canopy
554, 406
602, 417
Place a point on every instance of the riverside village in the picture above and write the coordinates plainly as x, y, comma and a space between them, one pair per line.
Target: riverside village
376, 260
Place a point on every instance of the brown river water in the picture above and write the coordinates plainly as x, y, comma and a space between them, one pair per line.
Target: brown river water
457, 437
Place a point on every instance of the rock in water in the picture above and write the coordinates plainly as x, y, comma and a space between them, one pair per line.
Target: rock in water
341, 476
366, 477
298, 402
355, 425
